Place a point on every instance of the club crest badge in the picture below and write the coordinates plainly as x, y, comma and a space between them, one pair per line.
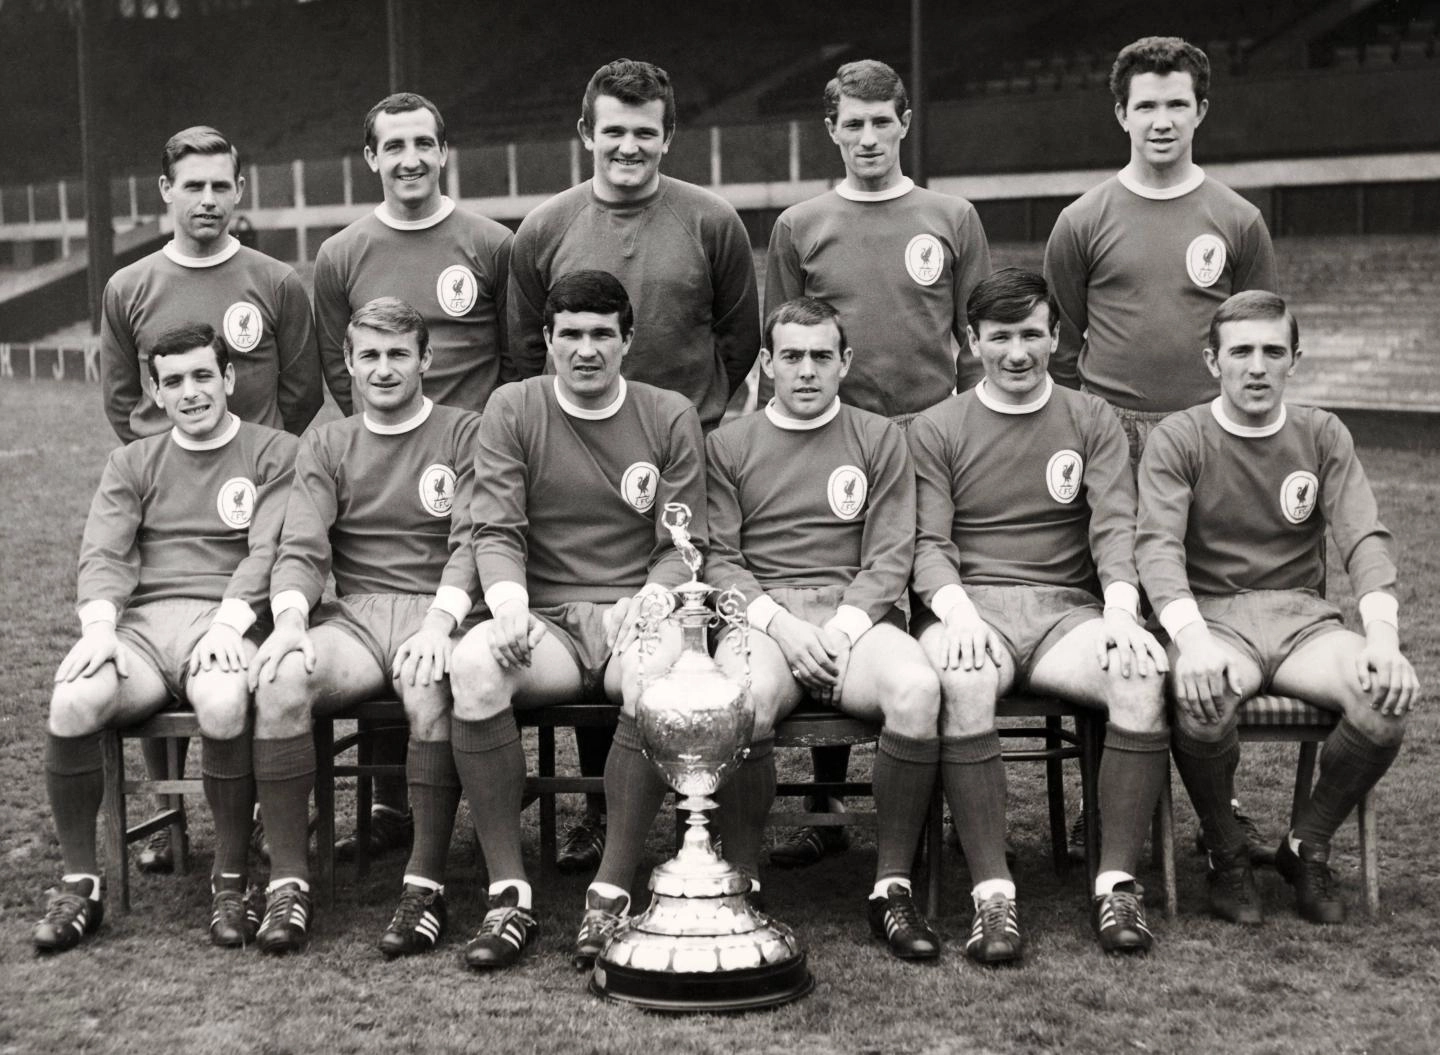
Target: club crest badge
1205, 260
235, 502
456, 289
437, 489
1063, 474
639, 485
846, 490
1298, 495
243, 327
925, 259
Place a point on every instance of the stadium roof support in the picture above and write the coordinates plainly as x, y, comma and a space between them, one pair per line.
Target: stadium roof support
917, 92
99, 233
396, 44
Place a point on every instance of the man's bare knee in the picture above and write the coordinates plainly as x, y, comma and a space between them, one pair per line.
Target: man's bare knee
1137, 703
968, 700
283, 706
480, 688
427, 709
911, 702
82, 706
221, 705
1380, 728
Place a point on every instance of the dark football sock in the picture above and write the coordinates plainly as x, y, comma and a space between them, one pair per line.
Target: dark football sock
592, 746
832, 764
389, 749
745, 802
227, 771
284, 779
434, 798
1132, 770
973, 775
1207, 769
75, 779
904, 780
491, 763
634, 792
1350, 765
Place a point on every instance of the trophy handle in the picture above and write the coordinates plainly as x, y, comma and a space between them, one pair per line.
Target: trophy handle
655, 609
730, 609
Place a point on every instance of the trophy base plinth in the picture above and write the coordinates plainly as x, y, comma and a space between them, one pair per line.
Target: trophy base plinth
749, 989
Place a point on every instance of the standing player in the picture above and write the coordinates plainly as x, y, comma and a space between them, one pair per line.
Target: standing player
381, 498
1026, 521
572, 474
812, 517
1235, 497
452, 266
898, 262
1141, 262
683, 255
177, 553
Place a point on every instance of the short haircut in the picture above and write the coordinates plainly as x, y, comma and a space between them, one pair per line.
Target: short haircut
401, 103
197, 139
1159, 55
868, 80
803, 311
1253, 304
596, 291
634, 83
181, 339
1009, 296
388, 315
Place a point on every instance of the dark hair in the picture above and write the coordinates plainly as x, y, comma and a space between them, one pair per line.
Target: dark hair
634, 83
388, 315
868, 80
597, 291
806, 311
181, 339
1159, 55
401, 103
1253, 304
197, 139
1010, 295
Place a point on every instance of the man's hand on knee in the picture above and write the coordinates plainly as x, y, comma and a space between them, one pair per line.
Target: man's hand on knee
1384, 673
1135, 648
96, 647
1203, 671
290, 635
967, 640
424, 656
222, 647
622, 619
817, 657
514, 632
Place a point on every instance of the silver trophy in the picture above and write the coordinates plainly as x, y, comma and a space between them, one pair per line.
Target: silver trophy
701, 945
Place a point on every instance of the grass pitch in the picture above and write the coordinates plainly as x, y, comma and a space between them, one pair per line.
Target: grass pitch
150, 982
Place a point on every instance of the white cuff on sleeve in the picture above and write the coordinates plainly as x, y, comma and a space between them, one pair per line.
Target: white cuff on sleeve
1125, 596
235, 614
760, 611
289, 600
947, 599
1179, 614
503, 591
453, 601
97, 612
850, 621
1379, 607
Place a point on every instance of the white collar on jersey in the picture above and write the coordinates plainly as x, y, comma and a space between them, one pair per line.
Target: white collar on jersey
182, 440
849, 193
982, 393
213, 260
576, 411
1161, 193
1249, 432
780, 419
409, 425
447, 206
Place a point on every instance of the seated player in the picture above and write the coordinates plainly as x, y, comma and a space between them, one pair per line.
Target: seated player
572, 472
1235, 496
812, 517
177, 552
382, 499
1024, 558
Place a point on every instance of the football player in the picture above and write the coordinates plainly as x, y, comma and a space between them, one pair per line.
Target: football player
572, 473
1235, 497
176, 556
382, 500
812, 518
1024, 560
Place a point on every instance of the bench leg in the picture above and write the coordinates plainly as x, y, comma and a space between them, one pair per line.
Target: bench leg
1163, 847
173, 761
1055, 793
325, 808
545, 763
117, 852
1369, 853
1092, 745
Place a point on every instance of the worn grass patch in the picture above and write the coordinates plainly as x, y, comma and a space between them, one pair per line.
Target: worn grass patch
150, 983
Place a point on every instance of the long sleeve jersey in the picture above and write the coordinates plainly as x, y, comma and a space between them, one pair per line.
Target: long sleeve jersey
899, 270
1138, 275
828, 505
1223, 512
175, 519
684, 258
386, 507
256, 303
452, 267
1043, 497
568, 502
